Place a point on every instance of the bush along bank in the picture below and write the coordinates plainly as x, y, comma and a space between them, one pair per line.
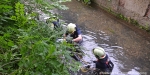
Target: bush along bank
28, 45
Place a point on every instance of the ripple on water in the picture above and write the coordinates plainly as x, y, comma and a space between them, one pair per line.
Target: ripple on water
114, 52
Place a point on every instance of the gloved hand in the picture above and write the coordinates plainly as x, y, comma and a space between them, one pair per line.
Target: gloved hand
69, 39
60, 40
88, 66
94, 61
85, 68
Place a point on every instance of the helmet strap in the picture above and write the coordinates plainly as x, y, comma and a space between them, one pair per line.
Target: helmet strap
97, 56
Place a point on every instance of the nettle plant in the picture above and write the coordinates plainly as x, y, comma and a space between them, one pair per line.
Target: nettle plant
86, 1
28, 46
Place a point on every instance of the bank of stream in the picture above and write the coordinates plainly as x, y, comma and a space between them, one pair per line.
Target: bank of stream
128, 50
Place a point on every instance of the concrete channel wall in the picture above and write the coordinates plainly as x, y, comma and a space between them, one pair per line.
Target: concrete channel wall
138, 10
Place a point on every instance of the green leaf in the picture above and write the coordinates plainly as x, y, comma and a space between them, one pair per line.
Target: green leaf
14, 47
6, 35
51, 51
1, 69
10, 43
26, 73
13, 18
54, 74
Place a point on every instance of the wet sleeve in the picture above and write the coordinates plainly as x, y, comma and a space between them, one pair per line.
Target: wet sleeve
78, 30
111, 65
66, 33
97, 65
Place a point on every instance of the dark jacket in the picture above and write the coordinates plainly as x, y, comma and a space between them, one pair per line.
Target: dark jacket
105, 64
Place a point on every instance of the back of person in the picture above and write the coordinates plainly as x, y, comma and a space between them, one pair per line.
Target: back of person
104, 65
101, 64
53, 22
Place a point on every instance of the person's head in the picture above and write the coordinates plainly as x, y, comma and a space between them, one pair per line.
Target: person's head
71, 27
50, 20
99, 53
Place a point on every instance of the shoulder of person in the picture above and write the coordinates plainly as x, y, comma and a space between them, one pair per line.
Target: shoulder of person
77, 26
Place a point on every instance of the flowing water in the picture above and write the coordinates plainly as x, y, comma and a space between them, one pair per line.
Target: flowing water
114, 51
125, 45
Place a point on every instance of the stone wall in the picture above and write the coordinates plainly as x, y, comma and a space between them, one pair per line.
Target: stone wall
138, 10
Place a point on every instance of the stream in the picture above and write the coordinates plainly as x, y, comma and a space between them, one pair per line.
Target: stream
127, 49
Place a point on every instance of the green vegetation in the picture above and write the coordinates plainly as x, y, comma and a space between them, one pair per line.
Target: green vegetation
112, 31
134, 22
28, 45
86, 1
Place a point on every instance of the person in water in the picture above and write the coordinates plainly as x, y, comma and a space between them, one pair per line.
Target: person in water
103, 64
74, 32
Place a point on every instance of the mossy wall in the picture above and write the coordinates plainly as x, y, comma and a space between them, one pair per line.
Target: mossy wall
137, 10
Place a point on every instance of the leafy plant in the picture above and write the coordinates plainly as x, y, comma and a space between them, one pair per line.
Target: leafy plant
28, 45
86, 1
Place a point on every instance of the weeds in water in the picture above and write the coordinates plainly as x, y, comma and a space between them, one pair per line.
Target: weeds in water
87, 2
112, 31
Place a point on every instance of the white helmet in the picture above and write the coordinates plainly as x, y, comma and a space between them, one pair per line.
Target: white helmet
99, 52
71, 27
